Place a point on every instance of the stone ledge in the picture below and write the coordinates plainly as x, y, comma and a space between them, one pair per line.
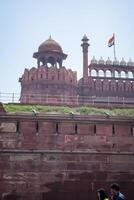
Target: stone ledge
64, 152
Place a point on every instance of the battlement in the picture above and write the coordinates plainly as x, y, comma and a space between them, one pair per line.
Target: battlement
37, 83
53, 74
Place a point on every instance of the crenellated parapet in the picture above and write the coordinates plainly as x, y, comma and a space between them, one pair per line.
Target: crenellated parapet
38, 83
52, 74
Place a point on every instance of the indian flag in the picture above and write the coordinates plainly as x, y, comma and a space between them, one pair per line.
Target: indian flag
111, 41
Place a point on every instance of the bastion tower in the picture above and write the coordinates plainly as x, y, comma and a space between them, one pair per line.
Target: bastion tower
50, 81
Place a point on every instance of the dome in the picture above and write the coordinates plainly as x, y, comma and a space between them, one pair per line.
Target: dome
101, 61
108, 62
94, 61
130, 62
115, 62
85, 39
50, 45
123, 62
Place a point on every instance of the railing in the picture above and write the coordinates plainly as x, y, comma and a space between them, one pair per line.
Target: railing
64, 100
9, 97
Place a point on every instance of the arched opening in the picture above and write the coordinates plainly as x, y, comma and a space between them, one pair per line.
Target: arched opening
130, 75
51, 60
101, 73
116, 74
108, 73
93, 72
123, 74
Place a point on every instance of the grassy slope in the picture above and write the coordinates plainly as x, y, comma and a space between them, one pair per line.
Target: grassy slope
64, 109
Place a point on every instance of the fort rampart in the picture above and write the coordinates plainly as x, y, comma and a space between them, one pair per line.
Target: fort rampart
68, 157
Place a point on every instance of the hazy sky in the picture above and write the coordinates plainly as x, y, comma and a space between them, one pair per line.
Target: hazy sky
25, 24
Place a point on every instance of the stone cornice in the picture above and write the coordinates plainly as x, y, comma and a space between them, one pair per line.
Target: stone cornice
66, 117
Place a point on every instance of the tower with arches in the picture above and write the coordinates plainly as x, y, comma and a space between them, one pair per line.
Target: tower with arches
107, 78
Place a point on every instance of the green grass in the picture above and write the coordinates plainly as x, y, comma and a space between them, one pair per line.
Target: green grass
19, 108
39, 108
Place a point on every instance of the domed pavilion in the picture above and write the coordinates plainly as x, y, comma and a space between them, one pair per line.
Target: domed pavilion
50, 82
50, 52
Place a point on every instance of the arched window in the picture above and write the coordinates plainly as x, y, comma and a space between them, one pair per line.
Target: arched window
130, 75
49, 65
101, 73
93, 72
108, 73
123, 74
116, 74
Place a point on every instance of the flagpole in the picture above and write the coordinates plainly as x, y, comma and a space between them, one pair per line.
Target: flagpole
114, 47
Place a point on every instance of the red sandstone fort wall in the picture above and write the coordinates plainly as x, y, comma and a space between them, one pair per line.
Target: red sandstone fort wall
65, 157
38, 83
74, 131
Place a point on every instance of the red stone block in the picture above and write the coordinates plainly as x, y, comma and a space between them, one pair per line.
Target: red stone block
84, 129
103, 129
67, 128
46, 128
123, 130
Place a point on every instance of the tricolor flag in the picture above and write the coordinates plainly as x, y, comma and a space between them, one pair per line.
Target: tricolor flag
111, 41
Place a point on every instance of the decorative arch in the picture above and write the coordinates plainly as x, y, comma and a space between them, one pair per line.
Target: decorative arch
120, 86
113, 86
106, 85
128, 86
108, 73
98, 85
93, 72
33, 74
123, 74
101, 73
130, 74
116, 74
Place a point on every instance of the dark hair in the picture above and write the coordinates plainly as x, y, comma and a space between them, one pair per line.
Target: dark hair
102, 193
115, 186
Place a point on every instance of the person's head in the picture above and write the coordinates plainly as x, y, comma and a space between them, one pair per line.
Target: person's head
115, 188
101, 194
